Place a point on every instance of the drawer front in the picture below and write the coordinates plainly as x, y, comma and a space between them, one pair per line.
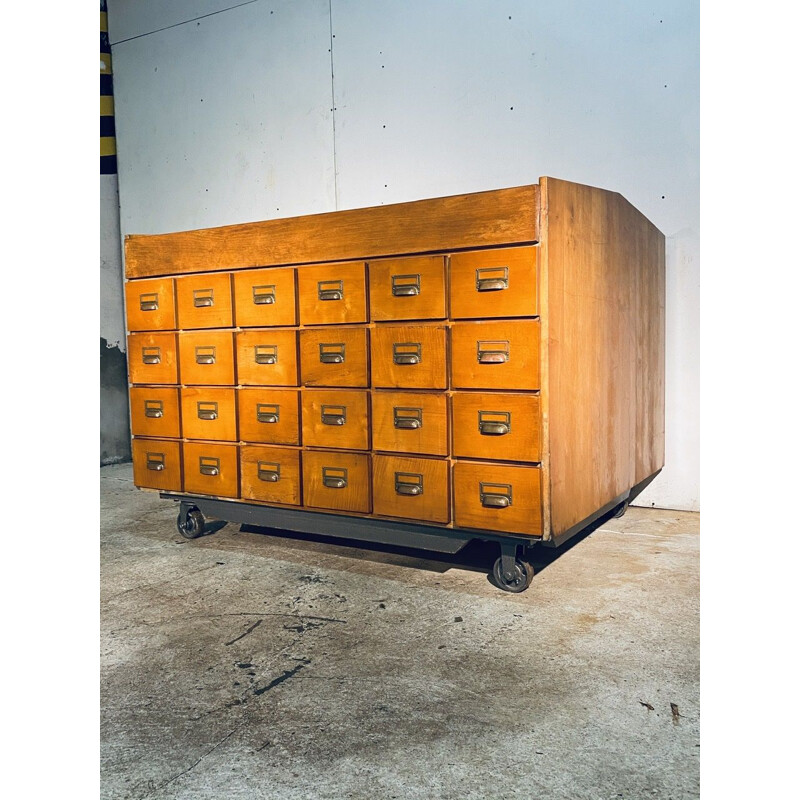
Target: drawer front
407, 288
150, 305
334, 357
409, 356
264, 297
204, 301
157, 464
266, 357
498, 497
207, 358
332, 294
155, 412
494, 283
407, 422
152, 358
269, 416
495, 355
490, 425
414, 488
336, 480
211, 469
270, 474
335, 418
209, 414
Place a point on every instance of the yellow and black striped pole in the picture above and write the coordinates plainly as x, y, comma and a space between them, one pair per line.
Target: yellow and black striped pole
108, 142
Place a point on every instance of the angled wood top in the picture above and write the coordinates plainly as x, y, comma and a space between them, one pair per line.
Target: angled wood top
481, 219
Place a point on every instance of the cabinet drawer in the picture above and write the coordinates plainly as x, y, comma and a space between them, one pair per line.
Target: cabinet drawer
157, 464
494, 283
414, 488
207, 358
211, 469
335, 418
332, 294
408, 422
407, 288
495, 355
490, 425
152, 358
266, 357
209, 414
264, 297
409, 356
150, 304
498, 497
155, 412
204, 301
336, 480
270, 474
334, 357
270, 415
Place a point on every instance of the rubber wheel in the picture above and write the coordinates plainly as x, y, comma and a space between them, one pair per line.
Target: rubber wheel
620, 512
194, 526
521, 579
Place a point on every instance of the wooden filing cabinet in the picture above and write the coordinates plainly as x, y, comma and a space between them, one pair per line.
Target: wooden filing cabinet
486, 366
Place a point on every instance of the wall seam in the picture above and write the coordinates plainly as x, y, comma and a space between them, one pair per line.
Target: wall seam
333, 112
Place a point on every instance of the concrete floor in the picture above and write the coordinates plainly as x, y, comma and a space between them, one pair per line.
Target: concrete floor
250, 665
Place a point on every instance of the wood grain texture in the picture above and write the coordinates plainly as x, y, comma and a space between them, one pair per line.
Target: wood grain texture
157, 452
195, 346
603, 264
349, 280
483, 219
255, 460
318, 342
254, 285
351, 405
391, 278
355, 496
430, 410
471, 274
192, 290
155, 411
222, 457
255, 348
427, 342
150, 305
152, 358
430, 474
257, 406
209, 413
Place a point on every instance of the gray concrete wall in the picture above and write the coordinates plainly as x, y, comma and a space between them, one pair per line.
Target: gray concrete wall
229, 112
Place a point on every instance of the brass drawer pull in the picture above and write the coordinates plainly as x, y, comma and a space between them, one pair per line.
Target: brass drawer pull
494, 423
153, 409
331, 353
330, 290
408, 483
209, 466
407, 352
334, 477
266, 353
268, 472
405, 285
496, 495
148, 302
491, 279
205, 355
493, 352
407, 418
207, 410
334, 415
155, 462
266, 412
151, 355
264, 295
203, 298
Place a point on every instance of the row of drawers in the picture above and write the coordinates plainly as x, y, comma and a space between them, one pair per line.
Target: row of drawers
487, 496
490, 425
481, 355
479, 284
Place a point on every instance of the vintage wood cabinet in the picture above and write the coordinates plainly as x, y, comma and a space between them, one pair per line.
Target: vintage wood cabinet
488, 365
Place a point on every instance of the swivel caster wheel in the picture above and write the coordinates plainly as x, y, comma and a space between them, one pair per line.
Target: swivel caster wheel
620, 512
192, 523
515, 577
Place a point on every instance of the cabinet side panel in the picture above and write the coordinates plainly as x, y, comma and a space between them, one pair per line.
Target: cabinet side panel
605, 273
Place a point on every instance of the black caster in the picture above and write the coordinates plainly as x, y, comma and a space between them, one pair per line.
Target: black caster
512, 575
191, 522
620, 512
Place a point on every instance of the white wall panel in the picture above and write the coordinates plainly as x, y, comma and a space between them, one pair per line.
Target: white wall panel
226, 119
